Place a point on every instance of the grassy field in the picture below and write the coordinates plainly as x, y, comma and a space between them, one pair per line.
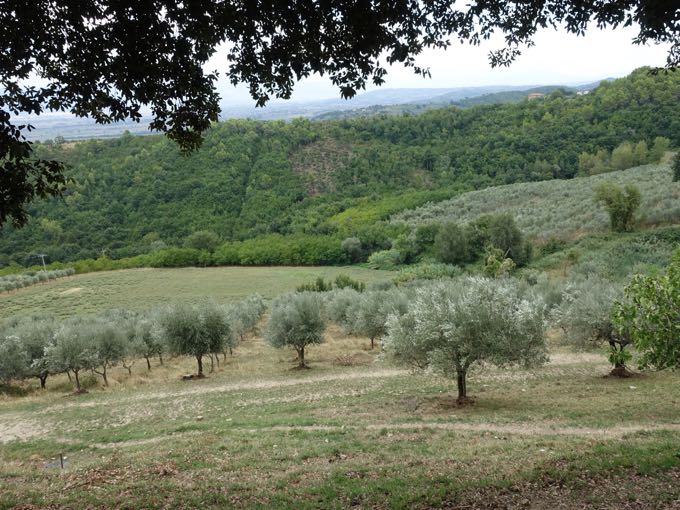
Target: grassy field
561, 208
139, 289
258, 434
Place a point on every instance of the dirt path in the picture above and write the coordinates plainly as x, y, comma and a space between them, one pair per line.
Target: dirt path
200, 389
501, 431
508, 428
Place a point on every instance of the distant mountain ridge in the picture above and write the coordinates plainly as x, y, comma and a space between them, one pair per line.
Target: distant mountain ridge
414, 100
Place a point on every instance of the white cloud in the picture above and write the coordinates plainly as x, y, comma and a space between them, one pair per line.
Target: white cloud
557, 58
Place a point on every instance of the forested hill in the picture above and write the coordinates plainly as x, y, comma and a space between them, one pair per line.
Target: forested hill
133, 194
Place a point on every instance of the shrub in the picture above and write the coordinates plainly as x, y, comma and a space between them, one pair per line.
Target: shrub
427, 271
649, 314
343, 281
506, 236
496, 265
318, 285
451, 245
426, 235
203, 240
385, 259
450, 327
353, 249
178, 257
276, 249
296, 321
621, 204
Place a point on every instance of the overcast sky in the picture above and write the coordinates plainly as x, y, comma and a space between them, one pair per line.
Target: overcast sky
557, 58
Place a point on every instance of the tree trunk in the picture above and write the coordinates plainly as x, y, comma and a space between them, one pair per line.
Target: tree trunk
103, 374
75, 372
212, 363
68, 373
160, 358
301, 357
620, 369
43, 378
199, 359
217, 360
128, 367
148, 363
231, 353
462, 386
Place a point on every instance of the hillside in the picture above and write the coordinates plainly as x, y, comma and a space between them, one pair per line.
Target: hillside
463, 98
562, 209
332, 179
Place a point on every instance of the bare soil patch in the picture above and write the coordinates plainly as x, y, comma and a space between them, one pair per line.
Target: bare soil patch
72, 290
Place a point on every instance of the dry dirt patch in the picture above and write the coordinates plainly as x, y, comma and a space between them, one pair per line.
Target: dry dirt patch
72, 290
19, 429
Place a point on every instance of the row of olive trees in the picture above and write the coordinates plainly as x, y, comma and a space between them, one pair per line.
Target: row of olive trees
209, 329
451, 325
446, 326
21, 280
299, 320
39, 346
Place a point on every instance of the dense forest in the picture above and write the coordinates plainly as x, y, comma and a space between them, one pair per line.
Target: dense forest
329, 180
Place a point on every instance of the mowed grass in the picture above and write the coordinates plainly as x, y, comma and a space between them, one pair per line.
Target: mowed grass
140, 289
258, 434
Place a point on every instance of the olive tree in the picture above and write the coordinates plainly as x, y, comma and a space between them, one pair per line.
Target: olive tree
14, 359
242, 318
147, 341
367, 316
451, 326
36, 333
245, 315
184, 332
71, 350
217, 330
296, 321
650, 314
585, 317
110, 346
338, 302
